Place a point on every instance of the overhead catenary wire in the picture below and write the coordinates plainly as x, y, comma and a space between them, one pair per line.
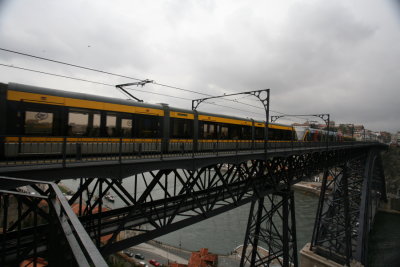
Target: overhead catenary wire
97, 70
54, 74
123, 76
111, 85
67, 64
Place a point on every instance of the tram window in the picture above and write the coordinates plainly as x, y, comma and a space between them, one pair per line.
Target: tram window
149, 126
246, 132
209, 130
285, 135
111, 125
38, 122
96, 125
78, 123
126, 127
282, 134
181, 128
288, 135
278, 134
234, 132
272, 134
224, 132
259, 133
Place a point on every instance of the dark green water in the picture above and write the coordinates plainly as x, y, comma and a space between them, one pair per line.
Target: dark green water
384, 241
222, 233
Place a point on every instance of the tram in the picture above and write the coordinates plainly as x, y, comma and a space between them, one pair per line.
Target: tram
38, 121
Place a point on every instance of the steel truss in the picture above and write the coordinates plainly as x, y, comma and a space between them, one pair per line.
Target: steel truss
191, 196
37, 223
350, 194
272, 226
172, 199
161, 201
271, 232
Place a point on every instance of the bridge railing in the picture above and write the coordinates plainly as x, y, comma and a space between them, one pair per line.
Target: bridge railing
39, 226
22, 150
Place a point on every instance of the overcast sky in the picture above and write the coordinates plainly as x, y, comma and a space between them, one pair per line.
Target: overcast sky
339, 57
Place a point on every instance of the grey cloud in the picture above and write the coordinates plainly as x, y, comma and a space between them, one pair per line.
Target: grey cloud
339, 57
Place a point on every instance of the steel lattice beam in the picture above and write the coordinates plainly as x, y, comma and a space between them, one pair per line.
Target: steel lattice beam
43, 226
191, 195
345, 212
272, 227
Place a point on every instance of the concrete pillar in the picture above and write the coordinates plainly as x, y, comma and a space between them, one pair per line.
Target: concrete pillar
309, 259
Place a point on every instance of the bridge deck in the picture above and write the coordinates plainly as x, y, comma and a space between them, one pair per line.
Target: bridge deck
126, 165
194, 196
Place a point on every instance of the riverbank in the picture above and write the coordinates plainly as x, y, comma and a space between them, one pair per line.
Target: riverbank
392, 205
222, 233
165, 254
232, 260
312, 188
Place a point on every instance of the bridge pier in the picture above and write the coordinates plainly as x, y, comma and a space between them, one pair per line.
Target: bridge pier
172, 193
350, 195
271, 226
309, 258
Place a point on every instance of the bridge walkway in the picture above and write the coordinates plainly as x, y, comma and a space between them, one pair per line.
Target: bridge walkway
127, 165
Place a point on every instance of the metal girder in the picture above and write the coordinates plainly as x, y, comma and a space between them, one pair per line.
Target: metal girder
195, 195
271, 229
372, 192
271, 232
113, 168
345, 211
39, 223
198, 195
173, 198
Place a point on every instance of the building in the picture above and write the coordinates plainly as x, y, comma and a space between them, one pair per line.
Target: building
315, 125
203, 259
177, 265
75, 209
199, 259
385, 137
32, 262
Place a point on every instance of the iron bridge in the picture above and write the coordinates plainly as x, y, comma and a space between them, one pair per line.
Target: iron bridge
172, 191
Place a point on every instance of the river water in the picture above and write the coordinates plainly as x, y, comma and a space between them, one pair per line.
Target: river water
222, 233
384, 241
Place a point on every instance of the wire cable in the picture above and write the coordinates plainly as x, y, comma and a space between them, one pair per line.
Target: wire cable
111, 85
57, 75
68, 64
122, 76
